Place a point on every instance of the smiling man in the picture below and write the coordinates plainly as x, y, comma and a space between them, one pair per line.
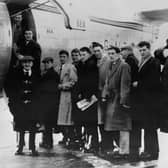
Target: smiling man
30, 47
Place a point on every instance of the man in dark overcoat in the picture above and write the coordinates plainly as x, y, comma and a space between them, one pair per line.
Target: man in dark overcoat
88, 86
48, 101
77, 132
148, 91
20, 86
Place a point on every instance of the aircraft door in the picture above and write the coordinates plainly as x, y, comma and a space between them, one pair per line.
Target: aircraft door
5, 42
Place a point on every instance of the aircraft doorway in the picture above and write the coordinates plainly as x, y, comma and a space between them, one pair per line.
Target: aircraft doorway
21, 19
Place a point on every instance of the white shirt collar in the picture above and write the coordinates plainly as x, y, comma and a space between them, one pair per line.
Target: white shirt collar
29, 71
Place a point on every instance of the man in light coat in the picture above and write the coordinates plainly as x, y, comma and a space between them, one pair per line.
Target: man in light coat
116, 91
68, 78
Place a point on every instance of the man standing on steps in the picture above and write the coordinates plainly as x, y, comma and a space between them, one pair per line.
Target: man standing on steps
30, 47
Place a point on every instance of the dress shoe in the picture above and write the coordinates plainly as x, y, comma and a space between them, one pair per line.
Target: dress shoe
91, 150
149, 156
110, 152
34, 153
19, 152
120, 156
63, 141
134, 157
145, 156
42, 145
46, 146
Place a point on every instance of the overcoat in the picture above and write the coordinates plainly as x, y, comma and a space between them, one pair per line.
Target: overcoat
88, 86
20, 89
47, 97
103, 71
148, 94
68, 79
117, 88
164, 98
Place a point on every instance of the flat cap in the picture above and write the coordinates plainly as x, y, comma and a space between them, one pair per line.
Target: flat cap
27, 58
126, 48
47, 59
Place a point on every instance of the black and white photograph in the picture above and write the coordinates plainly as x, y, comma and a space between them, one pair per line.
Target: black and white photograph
83, 83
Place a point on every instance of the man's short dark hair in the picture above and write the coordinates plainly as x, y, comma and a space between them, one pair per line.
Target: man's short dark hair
75, 50
83, 49
96, 44
64, 52
144, 43
117, 50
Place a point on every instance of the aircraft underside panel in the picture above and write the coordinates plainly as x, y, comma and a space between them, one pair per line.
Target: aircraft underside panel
53, 35
5, 42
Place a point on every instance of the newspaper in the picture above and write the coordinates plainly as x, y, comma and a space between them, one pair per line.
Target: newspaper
85, 104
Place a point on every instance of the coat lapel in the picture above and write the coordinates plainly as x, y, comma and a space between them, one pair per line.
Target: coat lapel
144, 64
113, 68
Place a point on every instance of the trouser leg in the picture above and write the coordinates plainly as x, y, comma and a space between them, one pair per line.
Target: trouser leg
49, 136
92, 131
124, 142
102, 134
151, 142
21, 140
78, 130
135, 138
115, 136
108, 141
109, 138
32, 140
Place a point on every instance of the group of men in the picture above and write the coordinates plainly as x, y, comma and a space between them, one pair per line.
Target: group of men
127, 98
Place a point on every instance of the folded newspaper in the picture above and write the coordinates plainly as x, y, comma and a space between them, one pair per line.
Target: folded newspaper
85, 104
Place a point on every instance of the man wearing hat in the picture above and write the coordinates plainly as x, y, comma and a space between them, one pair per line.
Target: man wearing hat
20, 86
48, 101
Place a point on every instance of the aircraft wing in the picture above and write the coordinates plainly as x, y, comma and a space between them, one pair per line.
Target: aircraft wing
154, 16
22, 2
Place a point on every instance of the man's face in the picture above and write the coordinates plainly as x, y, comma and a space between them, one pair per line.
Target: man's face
18, 19
124, 53
28, 35
48, 65
84, 55
75, 56
63, 58
27, 65
144, 51
113, 55
98, 52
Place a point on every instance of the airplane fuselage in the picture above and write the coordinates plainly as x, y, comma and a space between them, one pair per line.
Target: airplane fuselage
52, 33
